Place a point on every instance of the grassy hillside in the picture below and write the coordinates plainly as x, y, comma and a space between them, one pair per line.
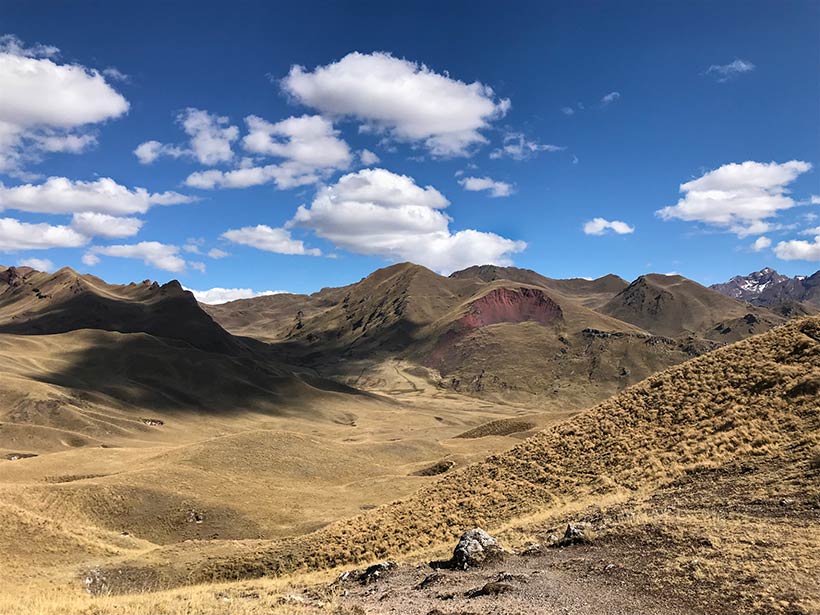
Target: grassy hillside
498, 333
754, 401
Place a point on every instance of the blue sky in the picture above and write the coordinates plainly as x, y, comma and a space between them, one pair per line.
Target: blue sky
305, 146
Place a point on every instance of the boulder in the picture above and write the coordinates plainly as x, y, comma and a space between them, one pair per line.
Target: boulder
475, 548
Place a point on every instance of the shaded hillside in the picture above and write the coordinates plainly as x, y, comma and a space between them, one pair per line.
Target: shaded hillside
36, 303
672, 305
496, 331
754, 400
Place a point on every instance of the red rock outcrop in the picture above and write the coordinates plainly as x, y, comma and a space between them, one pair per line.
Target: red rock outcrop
511, 305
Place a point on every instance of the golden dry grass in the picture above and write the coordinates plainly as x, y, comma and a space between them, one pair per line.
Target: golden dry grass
754, 400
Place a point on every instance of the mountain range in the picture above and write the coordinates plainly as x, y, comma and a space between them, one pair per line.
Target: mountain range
148, 440
498, 332
771, 289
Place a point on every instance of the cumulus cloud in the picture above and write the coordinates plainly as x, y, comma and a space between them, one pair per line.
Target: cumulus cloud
102, 225
40, 264
798, 249
726, 72
599, 226
17, 235
610, 98
309, 139
567, 110
761, 243
519, 147
269, 239
152, 253
309, 144
217, 295
46, 106
90, 259
149, 151
495, 188
402, 99
368, 158
376, 212
60, 195
210, 142
216, 253
740, 198
197, 265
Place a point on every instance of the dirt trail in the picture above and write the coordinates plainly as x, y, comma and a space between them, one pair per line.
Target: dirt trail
520, 585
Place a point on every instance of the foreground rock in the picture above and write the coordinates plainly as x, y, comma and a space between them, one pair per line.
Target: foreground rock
368, 575
474, 549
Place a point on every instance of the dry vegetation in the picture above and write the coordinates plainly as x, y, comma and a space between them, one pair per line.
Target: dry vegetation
136, 463
754, 402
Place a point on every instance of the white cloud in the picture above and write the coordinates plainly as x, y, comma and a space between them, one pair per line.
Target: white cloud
405, 100
495, 188
761, 243
217, 295
368, 158
115, 74
95, 224
199, 266
797, 249
599, 226
610, 98
43, 104
149, 151
815, 200
518, 147
811, 231
310, 140
285, 175
309, 144
269, 239
12, 45
567, 110
216, 253
211, 137
60, 195
40, 264
379, 213
725, 72
90, 259
740, 198
16, 235
152, 253
65, 143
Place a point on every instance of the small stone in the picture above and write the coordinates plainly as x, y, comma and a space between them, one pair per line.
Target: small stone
429, 580
490, 589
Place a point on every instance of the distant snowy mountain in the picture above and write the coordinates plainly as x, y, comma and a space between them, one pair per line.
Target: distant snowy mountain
769, 288
748, 287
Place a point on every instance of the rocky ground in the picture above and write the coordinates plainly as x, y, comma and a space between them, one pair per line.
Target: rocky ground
567, 577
